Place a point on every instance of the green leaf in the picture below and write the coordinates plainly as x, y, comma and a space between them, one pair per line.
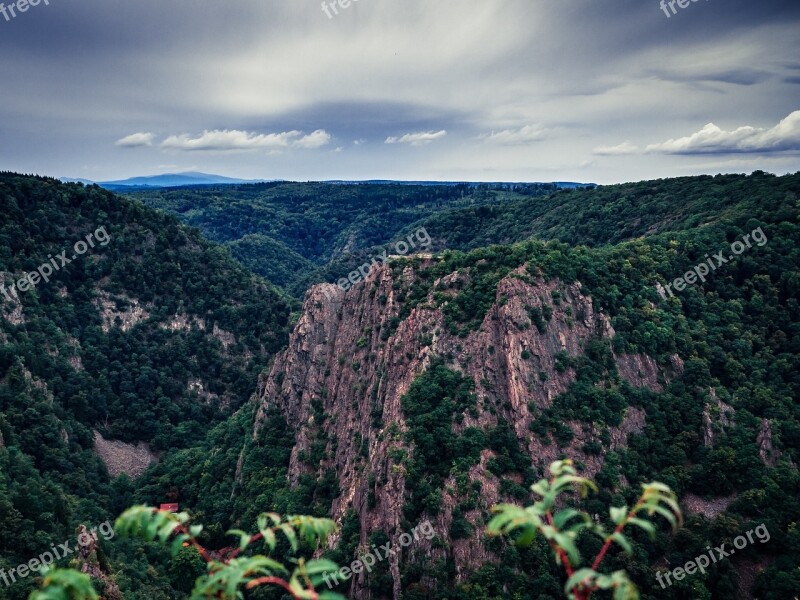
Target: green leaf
666, 514
622, 541
562, 517
244, 537
578, 577
618, 514
269, 538
646, 525
177, 543
290, 534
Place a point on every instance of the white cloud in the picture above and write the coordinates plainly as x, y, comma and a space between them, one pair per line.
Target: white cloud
618, 150
136, 140
316, 139
516, 137
746, 140
234, 139
417, 139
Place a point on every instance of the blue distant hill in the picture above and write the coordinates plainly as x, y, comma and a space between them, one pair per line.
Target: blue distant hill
193, 178
495, 184
174, 180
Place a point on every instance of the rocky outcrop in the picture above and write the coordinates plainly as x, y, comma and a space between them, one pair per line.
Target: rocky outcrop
93, 563
766, 451
10, 305
717, 416
122, 312
351, 359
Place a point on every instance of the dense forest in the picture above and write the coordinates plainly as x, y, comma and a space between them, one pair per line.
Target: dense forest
289, 232
160, 337
154, 337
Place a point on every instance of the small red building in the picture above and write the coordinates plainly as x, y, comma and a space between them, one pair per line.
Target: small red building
172, 507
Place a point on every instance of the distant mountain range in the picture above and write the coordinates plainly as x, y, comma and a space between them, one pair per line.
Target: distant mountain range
194, 178
165, 180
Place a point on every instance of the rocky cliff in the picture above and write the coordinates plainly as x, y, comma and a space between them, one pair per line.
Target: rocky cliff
353, 355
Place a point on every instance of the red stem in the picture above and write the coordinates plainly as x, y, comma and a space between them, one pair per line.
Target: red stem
236, 552
609, 539
560, 551
279, 582
203, 552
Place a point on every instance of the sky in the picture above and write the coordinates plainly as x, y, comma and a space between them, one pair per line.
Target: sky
457, 90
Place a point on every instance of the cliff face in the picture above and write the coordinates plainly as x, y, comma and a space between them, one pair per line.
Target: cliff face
351, 359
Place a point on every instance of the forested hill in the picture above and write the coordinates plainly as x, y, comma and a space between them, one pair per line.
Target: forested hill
152, 335
284, 230
296, 234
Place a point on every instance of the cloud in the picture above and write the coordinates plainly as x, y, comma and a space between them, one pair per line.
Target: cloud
417, 139
317, 139
235, 139
135, 140
785, 136
618, 150
516, 137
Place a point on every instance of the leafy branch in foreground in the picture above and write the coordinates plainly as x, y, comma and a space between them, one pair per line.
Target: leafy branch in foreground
228, 572
562, 528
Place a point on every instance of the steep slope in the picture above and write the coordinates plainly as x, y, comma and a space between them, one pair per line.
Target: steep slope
346, 372
144, 335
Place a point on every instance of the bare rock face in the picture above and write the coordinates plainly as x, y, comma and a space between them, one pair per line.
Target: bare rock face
766, 451
717, 415
89, 558
10, 305
120, 457
351, 359
126, 318
640, 370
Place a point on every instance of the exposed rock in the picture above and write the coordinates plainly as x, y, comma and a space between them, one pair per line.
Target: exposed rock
11, 307
197, 386
120, 457
768, 454
717, 415
182, 322
640, 370
710, 509
113, 316
676, 365
225, 337
89, 559
350, 356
